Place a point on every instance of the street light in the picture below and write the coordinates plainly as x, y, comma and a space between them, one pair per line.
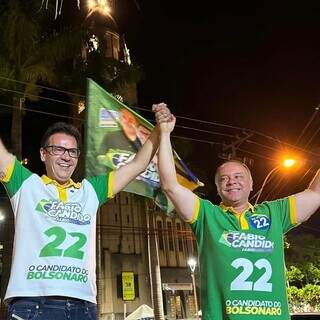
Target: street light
287, 163
2, 217
192, 263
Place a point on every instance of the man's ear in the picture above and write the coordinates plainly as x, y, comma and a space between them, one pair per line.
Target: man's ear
42, 154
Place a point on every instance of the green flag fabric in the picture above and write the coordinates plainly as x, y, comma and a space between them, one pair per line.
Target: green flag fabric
113, 135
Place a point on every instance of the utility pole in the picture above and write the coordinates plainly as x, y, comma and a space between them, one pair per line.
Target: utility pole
229, 151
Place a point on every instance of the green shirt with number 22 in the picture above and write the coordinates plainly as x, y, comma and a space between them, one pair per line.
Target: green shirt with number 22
242, 259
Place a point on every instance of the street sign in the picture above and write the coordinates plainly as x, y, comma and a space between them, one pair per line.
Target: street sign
128, 292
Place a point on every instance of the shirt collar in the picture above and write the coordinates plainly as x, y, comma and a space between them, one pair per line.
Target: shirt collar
69, 184
226, 208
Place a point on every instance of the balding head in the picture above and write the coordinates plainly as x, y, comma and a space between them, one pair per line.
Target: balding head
234, 183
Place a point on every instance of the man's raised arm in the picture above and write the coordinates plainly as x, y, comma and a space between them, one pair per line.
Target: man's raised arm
308, 201
6, 160
182, 198
130, 171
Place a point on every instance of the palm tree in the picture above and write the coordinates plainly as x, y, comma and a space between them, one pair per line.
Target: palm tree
32, 53
29, 53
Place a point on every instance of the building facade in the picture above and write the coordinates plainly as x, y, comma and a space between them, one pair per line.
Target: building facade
127, 225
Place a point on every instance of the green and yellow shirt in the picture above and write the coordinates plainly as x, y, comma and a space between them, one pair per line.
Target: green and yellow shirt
242, 259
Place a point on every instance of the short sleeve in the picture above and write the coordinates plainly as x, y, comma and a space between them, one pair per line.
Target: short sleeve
285, 210
14, 178
197, 224
103, 186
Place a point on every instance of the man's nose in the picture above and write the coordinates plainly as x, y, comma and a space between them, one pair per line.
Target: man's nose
66, 156
231, 180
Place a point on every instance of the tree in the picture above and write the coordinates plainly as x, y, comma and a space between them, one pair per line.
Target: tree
303, 273
29, 54
294, 276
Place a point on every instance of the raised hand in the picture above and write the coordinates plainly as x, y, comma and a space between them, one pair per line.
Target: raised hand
164, 118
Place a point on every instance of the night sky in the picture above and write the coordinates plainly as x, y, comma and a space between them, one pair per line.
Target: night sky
255, 66
252, 65
223, 64
244, 64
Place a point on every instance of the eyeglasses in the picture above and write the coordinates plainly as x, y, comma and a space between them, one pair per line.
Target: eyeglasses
59, 151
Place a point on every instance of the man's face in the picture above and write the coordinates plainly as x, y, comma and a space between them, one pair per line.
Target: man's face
59, 167
234, 184
129, 124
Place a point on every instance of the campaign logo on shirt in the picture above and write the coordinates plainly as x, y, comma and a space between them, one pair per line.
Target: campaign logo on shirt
69, 212
246, 241
259, 222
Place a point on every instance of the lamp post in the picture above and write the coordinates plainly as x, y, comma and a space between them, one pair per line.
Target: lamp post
192, 263
287, 163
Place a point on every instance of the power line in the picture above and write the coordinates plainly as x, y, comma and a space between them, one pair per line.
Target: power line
200, 130
80, 119
44, 87
312, 137
137, 108
261, 145
176, 136
197, 140
258, 155
308, 124
196, 120
41, 112
180, 117
276, 140
282, 186
37, 96
206, 131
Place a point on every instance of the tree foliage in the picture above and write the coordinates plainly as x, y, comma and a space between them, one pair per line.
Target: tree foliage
303, 272
29, 54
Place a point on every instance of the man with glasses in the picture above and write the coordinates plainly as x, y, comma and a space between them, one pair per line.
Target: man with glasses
53, 265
